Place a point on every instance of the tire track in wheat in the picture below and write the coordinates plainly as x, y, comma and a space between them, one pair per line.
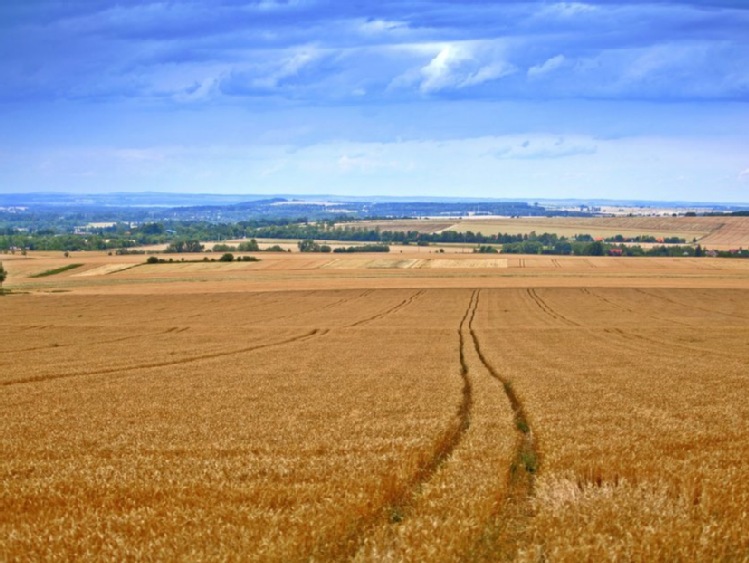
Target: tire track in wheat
405, 303
504, 533
668, 346
666, 300
181, 361
547, 309
691, 305
112, 341
399, 502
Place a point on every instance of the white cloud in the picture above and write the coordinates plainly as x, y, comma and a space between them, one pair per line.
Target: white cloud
744, 175
489, 72
462, 65
289, 67
547, 66
441, 71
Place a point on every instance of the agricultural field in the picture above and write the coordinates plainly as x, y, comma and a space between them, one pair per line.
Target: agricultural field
719, 233
413, 407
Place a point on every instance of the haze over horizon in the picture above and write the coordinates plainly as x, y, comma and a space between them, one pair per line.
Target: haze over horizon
532, 99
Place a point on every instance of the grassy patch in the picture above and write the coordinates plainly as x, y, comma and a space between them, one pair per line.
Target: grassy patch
56, 271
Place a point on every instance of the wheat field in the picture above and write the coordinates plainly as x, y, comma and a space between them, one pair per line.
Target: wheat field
559, 411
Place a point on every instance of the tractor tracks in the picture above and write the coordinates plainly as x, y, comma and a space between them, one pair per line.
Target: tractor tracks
392, 310
400, 500
666, 346
502, 538
504, 524
541, 304
691, 306
111, 341
182, 361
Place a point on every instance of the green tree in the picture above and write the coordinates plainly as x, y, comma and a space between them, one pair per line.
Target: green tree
249, 246
3, 274
595, 249
308, 245
190, 245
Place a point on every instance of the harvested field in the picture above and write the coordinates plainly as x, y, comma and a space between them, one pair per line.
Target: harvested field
734, 230
720, 233
529, 408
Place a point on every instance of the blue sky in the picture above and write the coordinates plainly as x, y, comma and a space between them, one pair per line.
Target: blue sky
542, 99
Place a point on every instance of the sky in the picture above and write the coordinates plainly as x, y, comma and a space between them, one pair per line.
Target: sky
527, 100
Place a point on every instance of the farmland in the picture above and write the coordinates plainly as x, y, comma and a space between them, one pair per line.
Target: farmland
394, 407
720, 233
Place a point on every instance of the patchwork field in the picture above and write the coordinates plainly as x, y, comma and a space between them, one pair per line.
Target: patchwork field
720, 233
541, 408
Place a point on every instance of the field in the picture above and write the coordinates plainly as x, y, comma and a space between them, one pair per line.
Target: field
719, 233
406, 407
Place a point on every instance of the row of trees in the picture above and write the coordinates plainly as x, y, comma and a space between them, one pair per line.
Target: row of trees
364, 248
599, 248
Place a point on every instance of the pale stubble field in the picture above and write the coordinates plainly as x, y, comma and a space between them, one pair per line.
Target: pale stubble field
604, 418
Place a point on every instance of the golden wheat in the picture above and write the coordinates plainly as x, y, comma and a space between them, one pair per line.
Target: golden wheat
146, 415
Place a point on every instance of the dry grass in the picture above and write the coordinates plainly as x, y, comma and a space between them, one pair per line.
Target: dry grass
153, 415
